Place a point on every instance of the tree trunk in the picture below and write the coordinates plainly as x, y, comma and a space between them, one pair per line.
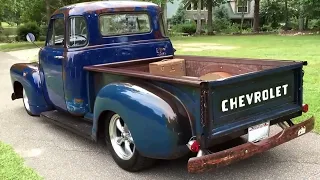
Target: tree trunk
198, 31
48, 11
242, 16
301, 23
256, 18
209, 20
301, 18
286, 15
164, 11
307, 23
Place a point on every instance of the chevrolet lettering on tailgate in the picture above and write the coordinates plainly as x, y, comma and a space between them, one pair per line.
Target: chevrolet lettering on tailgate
254, 97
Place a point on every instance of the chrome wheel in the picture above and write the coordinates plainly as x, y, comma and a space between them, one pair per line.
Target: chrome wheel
120, 137
26, 101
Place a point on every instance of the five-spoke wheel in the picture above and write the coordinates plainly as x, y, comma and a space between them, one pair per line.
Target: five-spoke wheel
121, 145
121, 138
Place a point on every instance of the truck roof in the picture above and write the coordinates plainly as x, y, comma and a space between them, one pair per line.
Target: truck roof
104, 6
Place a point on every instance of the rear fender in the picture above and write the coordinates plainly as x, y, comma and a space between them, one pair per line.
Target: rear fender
27, 76
157, 120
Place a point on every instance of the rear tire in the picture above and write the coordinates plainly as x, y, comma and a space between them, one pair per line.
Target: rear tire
121, 145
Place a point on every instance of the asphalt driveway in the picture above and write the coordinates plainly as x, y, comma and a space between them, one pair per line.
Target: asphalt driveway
58, 154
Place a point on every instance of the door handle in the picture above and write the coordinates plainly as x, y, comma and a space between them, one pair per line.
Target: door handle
59, 57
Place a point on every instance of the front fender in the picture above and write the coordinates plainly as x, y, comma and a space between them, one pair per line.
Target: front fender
27, 76
157, 120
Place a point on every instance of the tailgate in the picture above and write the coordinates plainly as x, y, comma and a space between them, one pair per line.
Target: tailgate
242, 101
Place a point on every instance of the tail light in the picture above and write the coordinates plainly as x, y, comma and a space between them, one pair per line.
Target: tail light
194, 146
305, 108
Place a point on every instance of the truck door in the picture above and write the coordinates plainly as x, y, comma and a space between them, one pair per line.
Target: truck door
52, 60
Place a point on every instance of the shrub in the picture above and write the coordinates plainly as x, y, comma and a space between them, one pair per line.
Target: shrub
6, 32
42, 38
2, 39
315, 24
233, 29
293, 24
43, 31
30, 27
247, 31
189, 28
177, 28
221, 24
267, 28
221, 20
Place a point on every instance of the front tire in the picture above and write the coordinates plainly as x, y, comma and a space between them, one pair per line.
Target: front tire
121, 145
26, 104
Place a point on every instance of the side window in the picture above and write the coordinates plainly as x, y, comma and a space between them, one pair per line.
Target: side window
78, 32
119, 24
56, 33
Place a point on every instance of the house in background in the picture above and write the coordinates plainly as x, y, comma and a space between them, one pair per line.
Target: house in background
233, 7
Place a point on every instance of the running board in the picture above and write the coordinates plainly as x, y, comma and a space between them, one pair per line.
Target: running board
76, 125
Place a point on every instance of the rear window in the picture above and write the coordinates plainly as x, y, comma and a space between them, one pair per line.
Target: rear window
119, 24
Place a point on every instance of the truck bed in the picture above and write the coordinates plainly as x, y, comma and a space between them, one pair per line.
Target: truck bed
215, 107
196, 66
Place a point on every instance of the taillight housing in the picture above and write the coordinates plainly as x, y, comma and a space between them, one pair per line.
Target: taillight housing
193, 145
305, 108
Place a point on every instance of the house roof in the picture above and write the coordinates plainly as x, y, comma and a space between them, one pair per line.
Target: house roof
105, 6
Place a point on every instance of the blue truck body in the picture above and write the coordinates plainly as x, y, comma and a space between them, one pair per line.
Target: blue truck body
97, 75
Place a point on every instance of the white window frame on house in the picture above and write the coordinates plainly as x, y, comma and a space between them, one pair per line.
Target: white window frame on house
240, 6
192, 7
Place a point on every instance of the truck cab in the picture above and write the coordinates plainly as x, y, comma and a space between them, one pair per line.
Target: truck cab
108, 71
88, 34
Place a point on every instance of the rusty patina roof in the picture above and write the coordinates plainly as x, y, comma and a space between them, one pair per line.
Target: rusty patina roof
104, 6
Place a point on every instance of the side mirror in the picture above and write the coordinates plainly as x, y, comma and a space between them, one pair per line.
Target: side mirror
30, 37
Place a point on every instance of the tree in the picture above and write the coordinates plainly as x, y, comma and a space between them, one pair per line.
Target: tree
198, 31
210, 5
10, 11
272, 12
304, 11
164, 10
163, 5
209, 18
286, 15
48, 10
198, 4
179, 16
36, 11
243, 4
256, 17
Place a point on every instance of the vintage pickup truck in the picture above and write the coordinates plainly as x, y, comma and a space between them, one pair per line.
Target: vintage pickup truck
93, 78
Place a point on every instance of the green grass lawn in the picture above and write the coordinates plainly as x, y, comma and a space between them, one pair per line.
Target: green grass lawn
4, 24
19, 46
12, 166
8, 29
306, 48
